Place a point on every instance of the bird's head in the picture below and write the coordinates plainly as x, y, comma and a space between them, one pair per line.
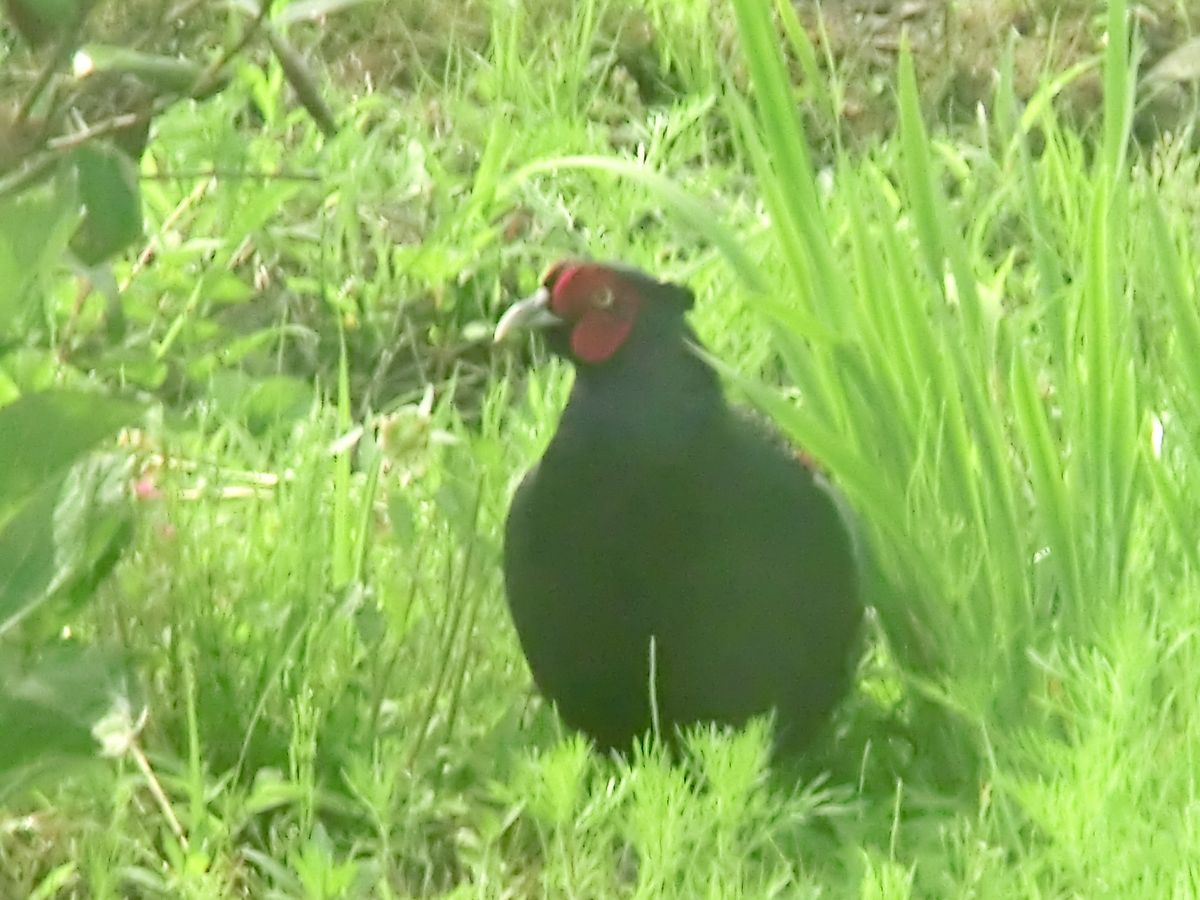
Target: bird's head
589, 311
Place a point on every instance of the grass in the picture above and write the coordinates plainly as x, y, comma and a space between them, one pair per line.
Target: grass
990, 343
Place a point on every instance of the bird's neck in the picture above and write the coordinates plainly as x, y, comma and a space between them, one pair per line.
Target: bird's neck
651, 394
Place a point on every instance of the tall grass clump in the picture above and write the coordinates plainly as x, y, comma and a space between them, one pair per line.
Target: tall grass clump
995, 352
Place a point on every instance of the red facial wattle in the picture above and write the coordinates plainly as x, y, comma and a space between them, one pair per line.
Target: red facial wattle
598, 336
600, 306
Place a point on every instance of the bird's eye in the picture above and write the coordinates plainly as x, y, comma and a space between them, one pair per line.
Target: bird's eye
603, 299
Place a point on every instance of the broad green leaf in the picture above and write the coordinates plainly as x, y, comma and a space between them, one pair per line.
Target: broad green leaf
49, 709
66, 538
41, 435
34, 227
260, 403
27, 557
40, 20
93, 523
108, 190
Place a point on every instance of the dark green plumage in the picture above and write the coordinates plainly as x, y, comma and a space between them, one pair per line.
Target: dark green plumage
660, 515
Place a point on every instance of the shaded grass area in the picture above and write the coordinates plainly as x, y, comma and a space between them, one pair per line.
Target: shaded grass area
980, 343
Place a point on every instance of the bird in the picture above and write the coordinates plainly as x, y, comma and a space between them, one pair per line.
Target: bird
670, 562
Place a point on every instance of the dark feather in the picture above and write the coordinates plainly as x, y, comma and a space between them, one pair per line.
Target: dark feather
658, 514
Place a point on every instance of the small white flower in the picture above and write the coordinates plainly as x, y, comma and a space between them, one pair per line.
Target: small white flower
118, 729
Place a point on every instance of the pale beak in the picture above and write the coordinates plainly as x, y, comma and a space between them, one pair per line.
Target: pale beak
532, 312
